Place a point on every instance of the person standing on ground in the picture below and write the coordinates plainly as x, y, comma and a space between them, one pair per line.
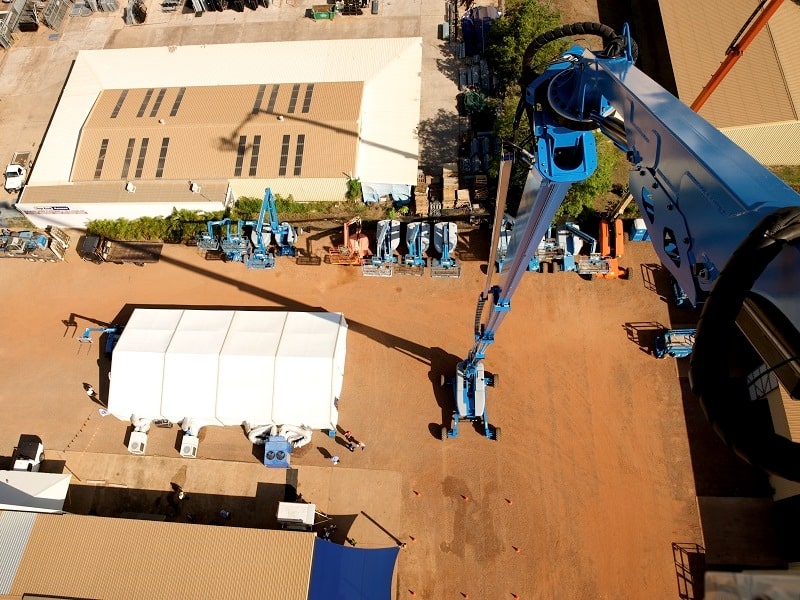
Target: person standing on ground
335, 460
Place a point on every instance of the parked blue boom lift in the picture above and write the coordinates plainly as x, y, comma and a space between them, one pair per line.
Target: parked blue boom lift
209, 239
445, 238
677, 343
387, 239
259, 256
235, 244
418, 238
724, 227
112, 337
284, 235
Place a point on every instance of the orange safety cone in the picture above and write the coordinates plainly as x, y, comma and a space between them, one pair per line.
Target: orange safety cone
510, 502
412, 538
412, 593
516, 549
515, 596
416, 493
465, 498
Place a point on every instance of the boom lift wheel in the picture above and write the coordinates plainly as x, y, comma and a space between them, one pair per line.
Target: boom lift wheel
495, 380
443, 433
556, 266
497, 434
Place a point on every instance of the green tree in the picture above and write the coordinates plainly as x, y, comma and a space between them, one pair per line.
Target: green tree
247, 208
510, 35
582, 196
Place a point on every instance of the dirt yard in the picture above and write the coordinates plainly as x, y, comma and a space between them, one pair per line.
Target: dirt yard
582, 498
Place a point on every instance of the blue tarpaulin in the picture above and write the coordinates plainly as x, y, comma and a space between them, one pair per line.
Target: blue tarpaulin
346, 573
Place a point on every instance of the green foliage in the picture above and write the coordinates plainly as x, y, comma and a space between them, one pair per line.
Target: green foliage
353, 189
246, 208
391, 213
790, 175
582, 196
510, 35
474, 102
404, 210
180, 226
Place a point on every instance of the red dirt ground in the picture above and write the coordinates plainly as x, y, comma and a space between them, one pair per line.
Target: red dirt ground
583, 496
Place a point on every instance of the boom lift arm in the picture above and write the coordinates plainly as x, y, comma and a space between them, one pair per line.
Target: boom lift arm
724, 226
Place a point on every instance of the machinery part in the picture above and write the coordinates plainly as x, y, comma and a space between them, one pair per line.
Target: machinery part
724, 401
296, 436
418, 237
444, 433
723, 226
677, 343
258, 434
445, 239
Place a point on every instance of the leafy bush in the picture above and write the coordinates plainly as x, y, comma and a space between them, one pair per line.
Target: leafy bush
511, 34
353, 189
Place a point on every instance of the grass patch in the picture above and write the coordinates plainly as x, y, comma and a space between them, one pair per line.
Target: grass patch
789, 175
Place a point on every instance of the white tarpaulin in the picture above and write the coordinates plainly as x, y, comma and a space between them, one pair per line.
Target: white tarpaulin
227, 367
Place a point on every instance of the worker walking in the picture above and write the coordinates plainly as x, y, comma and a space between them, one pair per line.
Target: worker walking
90, 391
335, 460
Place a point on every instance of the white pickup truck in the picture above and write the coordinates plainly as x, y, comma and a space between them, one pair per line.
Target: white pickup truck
17, 172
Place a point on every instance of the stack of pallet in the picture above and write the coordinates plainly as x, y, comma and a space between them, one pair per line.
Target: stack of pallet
449, 184
480, 190
421, 194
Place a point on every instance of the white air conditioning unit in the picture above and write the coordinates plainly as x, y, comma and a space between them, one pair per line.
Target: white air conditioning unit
137, 443
189, 444
129, 187
195, 188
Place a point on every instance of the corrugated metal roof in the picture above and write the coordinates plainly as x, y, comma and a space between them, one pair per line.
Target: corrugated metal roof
300, 130
165, 192
785, 414
96, 557
15, 529
770, 143
757, 89
387, 72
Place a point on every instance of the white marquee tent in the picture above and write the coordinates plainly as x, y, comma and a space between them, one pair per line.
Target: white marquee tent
226, 367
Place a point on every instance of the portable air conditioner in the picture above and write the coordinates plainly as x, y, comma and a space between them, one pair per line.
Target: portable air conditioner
189, 445
137, 442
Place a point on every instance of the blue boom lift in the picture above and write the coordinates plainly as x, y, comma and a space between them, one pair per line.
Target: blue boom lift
418, 238
259, 256
112, 337
284, 235
445, 238
387, 238
724, 226
209, 239
235, 245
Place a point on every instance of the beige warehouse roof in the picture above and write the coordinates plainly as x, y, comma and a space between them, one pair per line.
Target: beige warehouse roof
762, 87
379, 79
227, 131
95, 557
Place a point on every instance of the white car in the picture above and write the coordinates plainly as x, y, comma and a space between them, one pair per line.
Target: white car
29, 453
15, 177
